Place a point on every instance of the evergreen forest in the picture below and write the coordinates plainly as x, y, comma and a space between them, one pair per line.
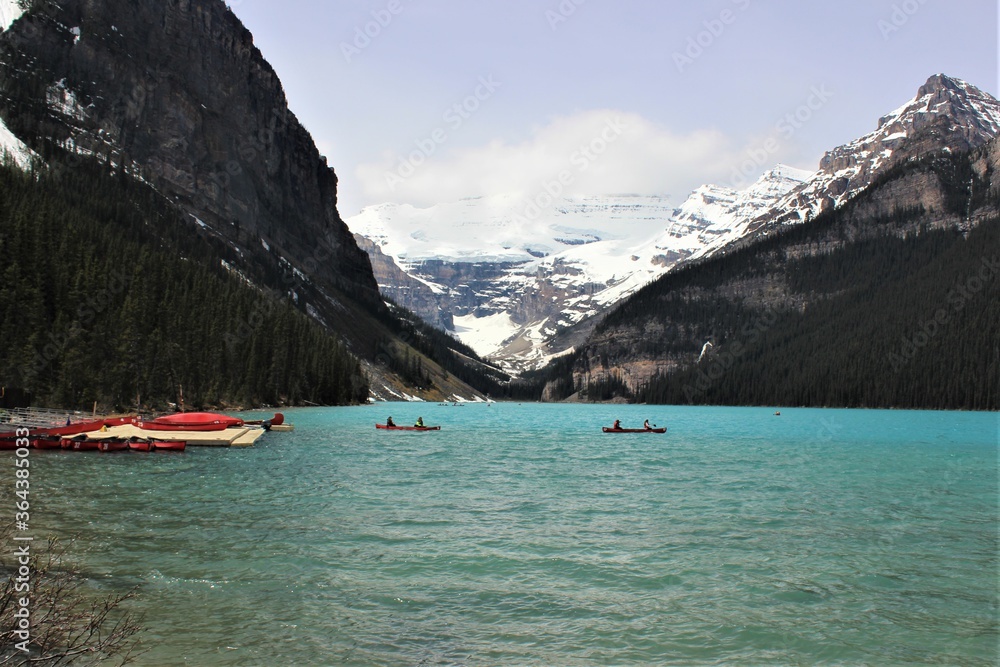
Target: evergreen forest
109, 295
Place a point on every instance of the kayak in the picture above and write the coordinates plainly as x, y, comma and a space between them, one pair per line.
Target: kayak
407, 428
607, 429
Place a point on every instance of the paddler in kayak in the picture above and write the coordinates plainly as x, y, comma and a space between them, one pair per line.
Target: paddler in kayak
617, 425
646, 425
420, 422
390, 423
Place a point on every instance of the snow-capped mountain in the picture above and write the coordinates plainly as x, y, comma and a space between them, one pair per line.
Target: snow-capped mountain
947, 114
506, 285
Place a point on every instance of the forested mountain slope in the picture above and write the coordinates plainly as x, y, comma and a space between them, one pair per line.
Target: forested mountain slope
106, 298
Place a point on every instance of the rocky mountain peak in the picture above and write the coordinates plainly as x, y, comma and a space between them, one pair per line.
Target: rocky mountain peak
943, 96
947, 115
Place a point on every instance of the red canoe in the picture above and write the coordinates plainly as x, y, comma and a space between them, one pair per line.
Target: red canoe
72, 429
408, 428
113, 445
80, 445
190, 420
608, 429
169, 445
46, 443
137, 445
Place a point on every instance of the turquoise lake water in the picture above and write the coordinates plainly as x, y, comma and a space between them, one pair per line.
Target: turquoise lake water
522, 535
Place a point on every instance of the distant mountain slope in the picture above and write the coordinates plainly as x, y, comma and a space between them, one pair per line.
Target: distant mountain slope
507, 285
892, 300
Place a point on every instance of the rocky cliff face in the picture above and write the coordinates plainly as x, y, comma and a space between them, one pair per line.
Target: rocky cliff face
174, 91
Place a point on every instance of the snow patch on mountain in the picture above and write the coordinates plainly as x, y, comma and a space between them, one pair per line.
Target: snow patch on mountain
14, 148
485, 334
10, 11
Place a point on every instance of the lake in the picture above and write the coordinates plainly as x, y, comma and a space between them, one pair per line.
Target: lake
521, 534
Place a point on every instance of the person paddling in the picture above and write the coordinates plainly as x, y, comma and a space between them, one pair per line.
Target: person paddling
646, 425
617, 425
390, 423
420, 422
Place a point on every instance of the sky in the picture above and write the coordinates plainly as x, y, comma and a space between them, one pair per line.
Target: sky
427, 101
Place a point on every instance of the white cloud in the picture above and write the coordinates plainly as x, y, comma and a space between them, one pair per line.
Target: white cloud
593, 152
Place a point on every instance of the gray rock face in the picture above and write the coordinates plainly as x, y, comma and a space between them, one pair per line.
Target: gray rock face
176, 91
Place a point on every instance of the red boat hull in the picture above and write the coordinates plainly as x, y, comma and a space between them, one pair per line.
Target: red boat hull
407, 428
72, 429
169, 446
190, 420
607, 429
10, 444
141, 446
154, 426
80, 445
112, 446
46, 443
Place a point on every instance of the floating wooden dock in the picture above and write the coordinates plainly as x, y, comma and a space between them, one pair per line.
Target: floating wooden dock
238, 436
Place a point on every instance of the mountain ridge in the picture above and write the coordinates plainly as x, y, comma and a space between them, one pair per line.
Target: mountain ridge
887, 301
